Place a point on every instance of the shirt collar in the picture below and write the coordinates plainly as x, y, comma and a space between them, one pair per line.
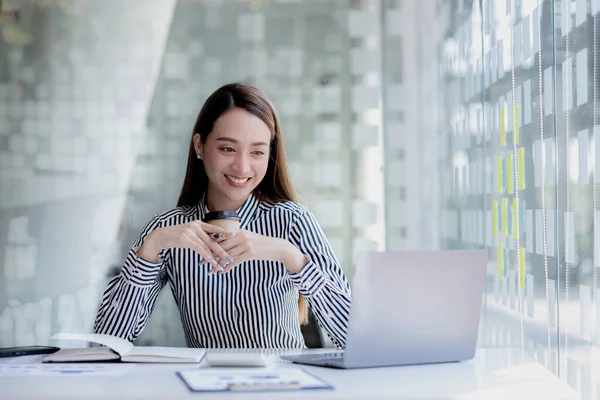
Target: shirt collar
246, 211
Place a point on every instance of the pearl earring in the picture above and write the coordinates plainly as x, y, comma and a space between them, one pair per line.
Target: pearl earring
198, 156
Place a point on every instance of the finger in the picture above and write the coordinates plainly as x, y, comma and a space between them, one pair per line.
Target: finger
230, 243
238, 251
199, 247
209, 228
220, 253
214, 247
241, 255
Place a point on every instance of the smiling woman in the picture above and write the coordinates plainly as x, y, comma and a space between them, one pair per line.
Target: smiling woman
250, 288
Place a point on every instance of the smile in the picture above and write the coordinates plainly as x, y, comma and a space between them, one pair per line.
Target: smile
237, 180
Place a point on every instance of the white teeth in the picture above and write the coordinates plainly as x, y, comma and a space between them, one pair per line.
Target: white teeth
235, 180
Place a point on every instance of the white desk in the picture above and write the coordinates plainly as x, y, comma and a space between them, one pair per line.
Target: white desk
493, 374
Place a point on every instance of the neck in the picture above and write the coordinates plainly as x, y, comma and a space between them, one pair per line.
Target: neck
220, 203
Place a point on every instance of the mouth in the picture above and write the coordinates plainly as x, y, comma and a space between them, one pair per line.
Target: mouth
237, 181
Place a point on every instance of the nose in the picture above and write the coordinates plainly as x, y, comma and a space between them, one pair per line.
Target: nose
241, 164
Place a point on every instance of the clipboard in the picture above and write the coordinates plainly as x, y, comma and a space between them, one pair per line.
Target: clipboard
250, 380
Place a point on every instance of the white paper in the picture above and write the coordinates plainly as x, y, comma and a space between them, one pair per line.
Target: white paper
529, 291
512, 286
497, 287
121, 346
565, 20
500, 60
527, 102
529, 238
581, 12
549, 173
550, 232
539, 239
583, 140
526, 38
519, 100
548, 98
537, 162
217, 379
486, 73
518, 44
129, 352
585, 297
569, 221
567, 84
494, 64
582, 76
552, 301
35, 359
73, 370
508, 112
536, 31
488, 231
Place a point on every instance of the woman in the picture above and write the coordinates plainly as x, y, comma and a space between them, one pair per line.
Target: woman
247, 289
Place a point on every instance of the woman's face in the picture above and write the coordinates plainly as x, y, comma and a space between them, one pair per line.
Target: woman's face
235, 156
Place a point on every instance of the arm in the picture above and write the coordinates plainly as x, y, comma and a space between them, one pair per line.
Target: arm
318, 276
131, 296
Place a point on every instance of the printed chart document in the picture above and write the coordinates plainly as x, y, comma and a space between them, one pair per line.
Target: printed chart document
23, 370
117, 348
249, 379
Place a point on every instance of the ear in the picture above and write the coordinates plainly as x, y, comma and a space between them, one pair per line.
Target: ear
197, 143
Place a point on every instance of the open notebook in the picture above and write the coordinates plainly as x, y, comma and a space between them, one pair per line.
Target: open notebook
120, 349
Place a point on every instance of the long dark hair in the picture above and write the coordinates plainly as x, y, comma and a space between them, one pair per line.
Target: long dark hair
276, 186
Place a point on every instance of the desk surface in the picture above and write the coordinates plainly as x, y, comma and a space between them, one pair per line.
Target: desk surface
492, 374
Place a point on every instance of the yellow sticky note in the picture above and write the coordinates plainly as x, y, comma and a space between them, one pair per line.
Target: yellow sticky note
505, 216
494, 218
500, 261
509, 167
522, 168
522, 268
502, 128
515, 217
499, 164
515, 125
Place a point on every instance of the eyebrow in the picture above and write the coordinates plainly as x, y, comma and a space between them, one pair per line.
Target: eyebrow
228, 139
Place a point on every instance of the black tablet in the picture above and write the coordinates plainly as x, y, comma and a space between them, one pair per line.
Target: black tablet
27, 350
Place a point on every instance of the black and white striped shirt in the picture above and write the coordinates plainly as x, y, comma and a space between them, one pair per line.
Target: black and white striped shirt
255, 305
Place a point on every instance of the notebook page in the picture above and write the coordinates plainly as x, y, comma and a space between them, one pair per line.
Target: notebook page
121, 346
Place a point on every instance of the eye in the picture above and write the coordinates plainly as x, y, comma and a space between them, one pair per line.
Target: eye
227, 149
258, 153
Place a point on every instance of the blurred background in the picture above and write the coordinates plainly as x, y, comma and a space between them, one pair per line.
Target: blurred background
408, 125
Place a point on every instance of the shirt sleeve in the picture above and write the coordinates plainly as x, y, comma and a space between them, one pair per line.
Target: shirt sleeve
321, 281
130, 297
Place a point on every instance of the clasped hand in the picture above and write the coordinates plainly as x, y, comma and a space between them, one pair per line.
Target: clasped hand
246, 245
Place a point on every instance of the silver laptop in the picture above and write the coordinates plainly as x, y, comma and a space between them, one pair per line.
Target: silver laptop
413, 307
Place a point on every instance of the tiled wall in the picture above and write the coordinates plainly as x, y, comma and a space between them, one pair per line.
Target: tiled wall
74, 95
